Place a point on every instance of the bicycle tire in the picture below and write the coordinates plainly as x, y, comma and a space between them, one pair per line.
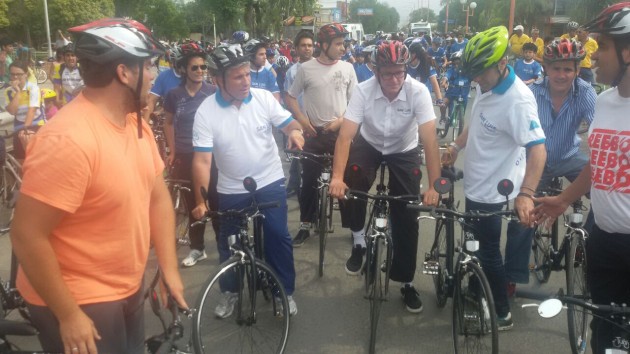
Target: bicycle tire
442, 133
323, 226
455, 117
439, 253
241, 332
41, 75
376, 278
182, 227
9, 191
577, 317
475, 328
462, 111
541, 259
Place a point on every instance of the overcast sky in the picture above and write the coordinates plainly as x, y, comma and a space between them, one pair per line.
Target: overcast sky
404, 7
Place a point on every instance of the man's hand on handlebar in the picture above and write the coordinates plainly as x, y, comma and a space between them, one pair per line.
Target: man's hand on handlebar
338, 188
200, 211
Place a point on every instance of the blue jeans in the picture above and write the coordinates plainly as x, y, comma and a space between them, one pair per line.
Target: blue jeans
277, 241
488, 232
518, 248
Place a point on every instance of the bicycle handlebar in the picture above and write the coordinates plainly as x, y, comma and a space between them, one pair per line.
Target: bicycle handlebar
245, 212
613, 309
470, 214
409, 198
309, 154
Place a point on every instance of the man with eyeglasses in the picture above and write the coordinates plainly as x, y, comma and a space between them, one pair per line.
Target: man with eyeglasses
392, 109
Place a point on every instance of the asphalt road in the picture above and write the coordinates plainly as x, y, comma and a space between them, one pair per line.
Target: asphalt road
333, 316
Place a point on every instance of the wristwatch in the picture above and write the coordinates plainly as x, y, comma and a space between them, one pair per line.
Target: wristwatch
455, 146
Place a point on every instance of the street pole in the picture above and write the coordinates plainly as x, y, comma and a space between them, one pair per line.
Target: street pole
50, 54
511, 20
214, 29
446, 22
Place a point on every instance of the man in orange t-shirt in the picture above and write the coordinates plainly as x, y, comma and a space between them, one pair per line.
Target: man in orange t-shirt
92, 202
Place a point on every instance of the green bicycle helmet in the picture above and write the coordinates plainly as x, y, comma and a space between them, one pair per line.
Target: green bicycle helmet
484, 50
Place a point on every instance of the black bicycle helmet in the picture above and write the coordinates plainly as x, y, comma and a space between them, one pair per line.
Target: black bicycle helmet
252, 46
68, 48
226, 56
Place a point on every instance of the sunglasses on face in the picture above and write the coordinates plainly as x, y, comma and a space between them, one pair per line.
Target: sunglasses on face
388, 76
197, 67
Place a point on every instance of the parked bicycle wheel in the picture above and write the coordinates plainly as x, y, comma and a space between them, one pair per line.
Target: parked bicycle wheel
474, 318
256, 325
576, 287
9, 188
439, 253
541, 261
324, 199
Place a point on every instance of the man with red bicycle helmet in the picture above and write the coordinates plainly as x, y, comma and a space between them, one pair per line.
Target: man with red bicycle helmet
606, 177
563, 101
325, 85
100, 200
385, 116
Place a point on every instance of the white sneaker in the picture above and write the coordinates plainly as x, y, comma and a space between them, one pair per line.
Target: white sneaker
193, 257
226, 305
293, 310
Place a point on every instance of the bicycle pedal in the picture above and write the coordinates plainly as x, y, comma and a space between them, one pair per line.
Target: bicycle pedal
431, 267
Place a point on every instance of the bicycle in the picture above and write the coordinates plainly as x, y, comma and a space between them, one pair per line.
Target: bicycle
474, 326
617, 314
258, 324
157, 122
379, 249
177, 188
40, 73
167, 341
456, 119
10, 182
548, 257
324, 213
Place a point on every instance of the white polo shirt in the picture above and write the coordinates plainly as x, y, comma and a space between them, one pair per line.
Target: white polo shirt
240, 140
390, 127
503, 123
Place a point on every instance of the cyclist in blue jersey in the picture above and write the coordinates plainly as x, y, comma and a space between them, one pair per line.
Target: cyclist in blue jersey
420, 68
166, 81
261, 77
457, 84
365, 70
437, 53
526, 68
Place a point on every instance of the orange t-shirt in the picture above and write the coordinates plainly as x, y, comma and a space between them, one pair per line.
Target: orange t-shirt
102, 175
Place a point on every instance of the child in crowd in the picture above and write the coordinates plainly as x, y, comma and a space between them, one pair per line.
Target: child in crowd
526, 68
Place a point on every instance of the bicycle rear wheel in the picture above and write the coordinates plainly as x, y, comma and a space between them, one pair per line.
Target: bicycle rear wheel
376, 283
474, 318
256, 325
440, 254
576, 286
541, 250
9, 190
456, 118
323, 226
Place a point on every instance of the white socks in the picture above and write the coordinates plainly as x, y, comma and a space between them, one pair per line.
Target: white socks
359, 237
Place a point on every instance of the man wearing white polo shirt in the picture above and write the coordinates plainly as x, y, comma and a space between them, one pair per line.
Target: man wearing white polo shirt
234, 126
391, 109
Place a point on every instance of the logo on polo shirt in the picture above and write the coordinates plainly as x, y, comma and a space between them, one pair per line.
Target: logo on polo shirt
490, 127
610, 160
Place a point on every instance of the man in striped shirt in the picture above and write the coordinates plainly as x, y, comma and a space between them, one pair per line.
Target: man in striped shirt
564, 101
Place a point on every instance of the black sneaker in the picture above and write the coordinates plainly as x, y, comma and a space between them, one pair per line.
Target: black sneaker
505, 323
301, 236
355, 262
411, 298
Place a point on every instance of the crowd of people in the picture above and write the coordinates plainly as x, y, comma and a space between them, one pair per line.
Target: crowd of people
94, 177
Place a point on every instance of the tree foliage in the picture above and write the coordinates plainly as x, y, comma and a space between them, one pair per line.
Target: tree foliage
422, 14
385, 17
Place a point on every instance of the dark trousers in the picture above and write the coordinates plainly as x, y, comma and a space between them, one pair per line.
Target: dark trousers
276, 238
403, 179
183, 171
119, 323
607, 275
321, 144
488, 232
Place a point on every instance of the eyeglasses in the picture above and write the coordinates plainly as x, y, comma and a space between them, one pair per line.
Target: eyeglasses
388, 76
197, 67
17, 74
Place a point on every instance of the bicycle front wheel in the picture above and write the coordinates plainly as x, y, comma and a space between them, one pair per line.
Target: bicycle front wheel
541, 251
439, 253
576, 287
323, 226
456, 118
474, 318
41, 75
376, 279
255, 324
181, 218
443, 132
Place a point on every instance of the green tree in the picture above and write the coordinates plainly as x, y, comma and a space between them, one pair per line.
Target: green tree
385, 17
165, 19
422, 14
4, 13
585, 10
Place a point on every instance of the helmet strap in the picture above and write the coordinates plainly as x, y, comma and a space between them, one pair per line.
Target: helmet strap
136, 97
623, 66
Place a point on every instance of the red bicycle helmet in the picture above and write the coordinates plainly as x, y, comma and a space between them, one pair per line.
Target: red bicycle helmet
564, 50
390, 53
331, 31
191, 48
613, 21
